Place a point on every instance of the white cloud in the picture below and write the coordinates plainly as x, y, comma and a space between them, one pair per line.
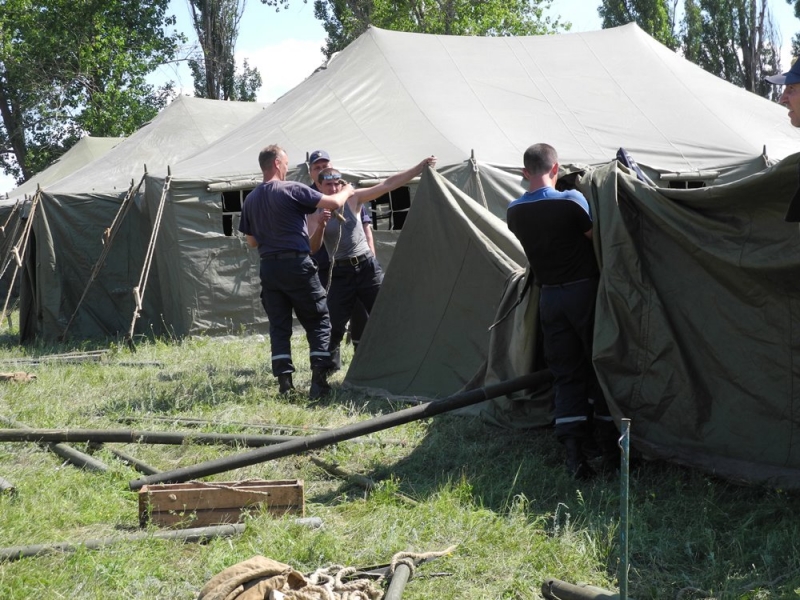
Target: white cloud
283, 65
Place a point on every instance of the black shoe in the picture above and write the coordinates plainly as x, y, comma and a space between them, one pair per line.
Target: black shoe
319, 384
576, 463
591, 449
285, 384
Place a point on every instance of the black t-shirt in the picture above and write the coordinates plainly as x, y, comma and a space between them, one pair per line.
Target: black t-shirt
551, 227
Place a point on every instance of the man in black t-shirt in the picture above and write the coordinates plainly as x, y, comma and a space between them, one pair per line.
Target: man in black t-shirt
555, 230
274, 221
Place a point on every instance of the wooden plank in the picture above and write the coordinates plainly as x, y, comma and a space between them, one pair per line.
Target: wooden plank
198, 504
202, 518
249, 483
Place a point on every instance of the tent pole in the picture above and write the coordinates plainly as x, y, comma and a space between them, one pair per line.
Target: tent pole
334, 436
23, 245
108, 239
476, 173
138, 291
624, 472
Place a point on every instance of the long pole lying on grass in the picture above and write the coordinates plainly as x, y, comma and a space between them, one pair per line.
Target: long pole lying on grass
131, 436
72, 456
407, 415
195, 534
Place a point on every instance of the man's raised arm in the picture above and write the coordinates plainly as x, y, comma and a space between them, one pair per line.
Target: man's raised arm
395, 181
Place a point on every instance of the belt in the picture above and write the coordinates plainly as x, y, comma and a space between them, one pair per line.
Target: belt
567, 283
352, 261
283, 255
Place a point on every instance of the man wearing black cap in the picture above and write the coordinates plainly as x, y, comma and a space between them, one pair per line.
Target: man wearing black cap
274, 221
317, 162
790, 98
356, 275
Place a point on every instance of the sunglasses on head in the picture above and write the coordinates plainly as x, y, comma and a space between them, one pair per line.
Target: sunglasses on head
331, 177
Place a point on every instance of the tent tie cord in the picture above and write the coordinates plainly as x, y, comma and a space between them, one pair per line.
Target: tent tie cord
332, 256
21, 245
12, 236
108, 239
139, 290
477, 173
13, 212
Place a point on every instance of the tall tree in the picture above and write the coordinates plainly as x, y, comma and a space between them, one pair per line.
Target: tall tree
796, 38
733, 39
69, 67
216, 23
656, 17
345, 20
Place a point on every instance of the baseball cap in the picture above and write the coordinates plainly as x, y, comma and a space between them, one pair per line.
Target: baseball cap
791, 76
318, 155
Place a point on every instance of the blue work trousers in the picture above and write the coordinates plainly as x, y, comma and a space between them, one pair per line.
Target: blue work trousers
566, 313
292, 284
348, 284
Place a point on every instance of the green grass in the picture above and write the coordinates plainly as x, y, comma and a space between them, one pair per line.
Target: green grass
501, 496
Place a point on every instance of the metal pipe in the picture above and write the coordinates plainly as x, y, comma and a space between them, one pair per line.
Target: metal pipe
131, 436
400, 577
407, 415
624, 485
194, 422
137, 464
195, 534
72, 456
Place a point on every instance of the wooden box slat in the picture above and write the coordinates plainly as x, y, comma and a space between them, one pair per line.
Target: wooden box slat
197, 504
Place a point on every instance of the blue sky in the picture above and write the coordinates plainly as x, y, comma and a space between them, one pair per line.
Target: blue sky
286, 46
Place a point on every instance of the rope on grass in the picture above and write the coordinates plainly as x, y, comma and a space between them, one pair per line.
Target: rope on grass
412, 559
328, 583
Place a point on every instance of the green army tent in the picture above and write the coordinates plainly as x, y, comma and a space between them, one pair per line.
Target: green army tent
86, 150
694, 338
71, 221
391, 98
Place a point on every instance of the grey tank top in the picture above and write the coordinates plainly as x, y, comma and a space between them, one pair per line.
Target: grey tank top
353, 242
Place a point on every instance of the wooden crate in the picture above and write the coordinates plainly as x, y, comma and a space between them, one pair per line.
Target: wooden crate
197, 504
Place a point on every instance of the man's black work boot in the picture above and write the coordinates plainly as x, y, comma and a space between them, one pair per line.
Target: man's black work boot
577, 466
285, 384
608, 440
319, 383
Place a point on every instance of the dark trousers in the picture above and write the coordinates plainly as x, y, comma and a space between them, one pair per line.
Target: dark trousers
292, 284
358, 321
348, 284
566, 313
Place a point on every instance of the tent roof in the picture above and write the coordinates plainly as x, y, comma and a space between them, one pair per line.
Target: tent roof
182, 128
85, 151
391, 98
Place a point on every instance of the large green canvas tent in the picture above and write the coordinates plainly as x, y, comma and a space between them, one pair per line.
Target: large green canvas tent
697, 311
87, 150
378, 108
71, 220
